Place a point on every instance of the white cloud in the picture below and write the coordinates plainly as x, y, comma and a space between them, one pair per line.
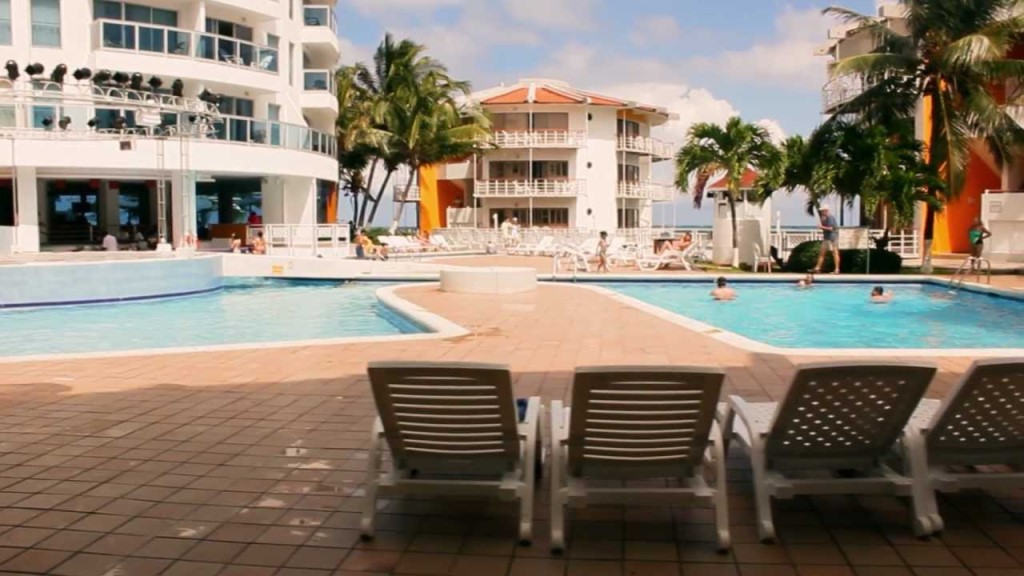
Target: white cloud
552, 14
786, 61
654, 30
378, 7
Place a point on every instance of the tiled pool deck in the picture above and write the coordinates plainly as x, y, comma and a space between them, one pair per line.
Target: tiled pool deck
249, 463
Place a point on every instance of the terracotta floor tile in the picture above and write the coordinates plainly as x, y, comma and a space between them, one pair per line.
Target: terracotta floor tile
974, 557
316, 558
650, 568
215, 552
809, 570
467, 565
189, 568
40, 561
83, 564
371, 561
594, 568
428, 564
697, 569
766, 570
920, 556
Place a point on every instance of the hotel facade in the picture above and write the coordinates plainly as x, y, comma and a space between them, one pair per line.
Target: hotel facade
175, 117
562, 158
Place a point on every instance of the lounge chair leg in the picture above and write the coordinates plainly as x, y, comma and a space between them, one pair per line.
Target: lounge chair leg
926, 519
721, 499
763, 500
367, 527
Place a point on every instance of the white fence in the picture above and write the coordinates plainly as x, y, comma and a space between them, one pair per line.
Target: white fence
331, 240
539, 139
906, 244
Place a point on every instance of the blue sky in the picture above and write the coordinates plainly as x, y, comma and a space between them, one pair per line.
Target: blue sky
706, 60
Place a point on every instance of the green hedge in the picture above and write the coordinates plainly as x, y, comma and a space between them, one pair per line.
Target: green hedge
805, 256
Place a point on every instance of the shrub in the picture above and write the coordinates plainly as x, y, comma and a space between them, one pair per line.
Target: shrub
805, 256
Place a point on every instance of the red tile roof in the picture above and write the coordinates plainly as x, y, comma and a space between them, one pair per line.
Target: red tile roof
746, 181
553, 92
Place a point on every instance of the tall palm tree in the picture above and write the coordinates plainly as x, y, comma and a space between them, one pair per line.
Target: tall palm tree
953, 54
711, 149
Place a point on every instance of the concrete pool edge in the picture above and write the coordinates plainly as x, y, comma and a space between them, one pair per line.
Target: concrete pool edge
438, 328
753, 346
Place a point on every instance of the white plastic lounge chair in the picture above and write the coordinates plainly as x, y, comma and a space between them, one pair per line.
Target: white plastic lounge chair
761, 260
972, 439
638, 423
667, 258
452, 428
533, 248
836, 418
620, 253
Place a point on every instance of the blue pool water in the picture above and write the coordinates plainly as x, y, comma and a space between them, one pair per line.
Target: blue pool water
841, 315
243, 312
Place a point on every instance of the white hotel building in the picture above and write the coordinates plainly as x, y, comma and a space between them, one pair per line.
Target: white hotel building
122, 141
563, 158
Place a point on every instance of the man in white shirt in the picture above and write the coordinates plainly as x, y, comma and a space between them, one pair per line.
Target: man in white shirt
110, 243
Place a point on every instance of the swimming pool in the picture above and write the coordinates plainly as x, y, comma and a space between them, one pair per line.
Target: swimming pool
840, 315
245, 311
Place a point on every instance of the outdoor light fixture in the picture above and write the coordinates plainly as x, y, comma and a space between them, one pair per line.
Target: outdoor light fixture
121, 78
47, 122
155, 83
178, 88
64, 122
91, 123
102, 77
12, 70
58, 73
82, 74
34, 69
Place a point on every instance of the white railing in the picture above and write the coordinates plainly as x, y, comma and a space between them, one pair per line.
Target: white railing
399, 190
106, 96
642, 145
841, 89
646, 191
528, 188
539, 139
181, 43
305, 239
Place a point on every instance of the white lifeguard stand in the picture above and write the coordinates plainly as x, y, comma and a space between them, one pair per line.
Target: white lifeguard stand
753, 221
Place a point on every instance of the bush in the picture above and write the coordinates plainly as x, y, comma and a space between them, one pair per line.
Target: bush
805, 256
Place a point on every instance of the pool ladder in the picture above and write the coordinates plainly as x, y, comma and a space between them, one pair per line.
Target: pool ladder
969, 265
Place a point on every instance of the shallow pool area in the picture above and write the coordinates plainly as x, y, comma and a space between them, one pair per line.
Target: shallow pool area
841, 315
244, 311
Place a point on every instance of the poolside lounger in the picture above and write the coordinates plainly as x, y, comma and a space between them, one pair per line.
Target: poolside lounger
830, 433
545, 245
636, 424
452, 428
656, 261
972, 439
761, 260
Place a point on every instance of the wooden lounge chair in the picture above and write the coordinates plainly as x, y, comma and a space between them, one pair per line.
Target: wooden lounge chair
638, 423
972, 439
452, 428
830, 434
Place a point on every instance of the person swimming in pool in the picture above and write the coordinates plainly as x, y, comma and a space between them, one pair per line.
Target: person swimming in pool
878, 295
806, 281
722, 290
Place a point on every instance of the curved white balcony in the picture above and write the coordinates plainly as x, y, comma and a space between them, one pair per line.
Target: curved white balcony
257, 9
646, 146
539, 139
50, 129
187, 54
842, 89
528, 188
646, 191
318, 90
320, 32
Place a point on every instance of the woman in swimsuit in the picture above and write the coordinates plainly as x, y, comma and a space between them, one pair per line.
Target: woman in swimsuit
977, 235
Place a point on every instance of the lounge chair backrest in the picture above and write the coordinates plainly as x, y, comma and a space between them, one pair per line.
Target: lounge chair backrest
642, 421
982, 419
447, 417
844, 415
757, 251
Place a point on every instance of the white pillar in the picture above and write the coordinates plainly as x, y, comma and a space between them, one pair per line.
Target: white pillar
299, 201
27, 205
183, 206
273, 201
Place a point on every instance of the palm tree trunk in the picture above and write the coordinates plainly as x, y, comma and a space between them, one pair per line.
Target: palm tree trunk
735, 234
401, 205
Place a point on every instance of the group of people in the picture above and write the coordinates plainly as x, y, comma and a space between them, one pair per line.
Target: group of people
510, 232
722, 291
257, 246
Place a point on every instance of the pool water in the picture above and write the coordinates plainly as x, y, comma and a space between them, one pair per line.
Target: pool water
245, 311
842, 316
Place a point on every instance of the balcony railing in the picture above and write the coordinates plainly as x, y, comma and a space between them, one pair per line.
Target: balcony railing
642, 145
318, 81
646, 191
38, 114
319, 16
528, 188
102, 96
842, 89
539, 139
399, 191
176, 42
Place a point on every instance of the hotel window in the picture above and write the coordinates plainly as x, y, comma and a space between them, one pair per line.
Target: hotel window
228, 29
46, 23
550, 170
510, 122
8, 119
628, 128
550, 121
291, 64
5, 23
6, 202
43, 114
629, 173
555, 217
110, 10
105, 118
629, 218
236, 106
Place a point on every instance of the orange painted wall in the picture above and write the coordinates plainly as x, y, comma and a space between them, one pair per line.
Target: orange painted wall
436, 196
952, 224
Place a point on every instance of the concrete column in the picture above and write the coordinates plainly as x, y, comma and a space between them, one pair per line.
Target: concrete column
109, 209
183, 206
273, 201
27, 230
299, 200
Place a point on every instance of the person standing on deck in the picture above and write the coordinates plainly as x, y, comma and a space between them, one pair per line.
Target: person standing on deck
829, 239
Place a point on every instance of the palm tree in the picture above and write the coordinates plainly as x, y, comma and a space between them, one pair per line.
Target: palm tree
952, 55
429, 126
732, 149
